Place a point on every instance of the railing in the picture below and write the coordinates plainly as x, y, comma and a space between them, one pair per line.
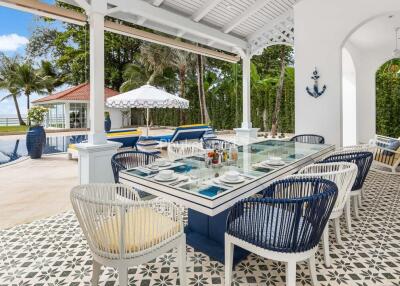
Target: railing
56, 122
10, 121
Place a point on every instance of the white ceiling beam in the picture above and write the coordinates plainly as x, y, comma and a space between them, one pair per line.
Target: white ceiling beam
174, 32
83, 4
166, 41
286, 17
45, 10
245, 15
178, 22
140, 20
157, 2
203, 11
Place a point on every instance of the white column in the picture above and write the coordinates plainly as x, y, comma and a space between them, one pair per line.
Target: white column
95, 156
67, 124
246, 123
246, 134
96, 21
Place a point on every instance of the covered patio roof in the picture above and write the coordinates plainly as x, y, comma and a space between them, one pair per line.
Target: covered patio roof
229, 25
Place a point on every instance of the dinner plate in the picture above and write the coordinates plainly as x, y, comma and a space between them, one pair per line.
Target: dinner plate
238, 181
167, 164
273, 163
159, 179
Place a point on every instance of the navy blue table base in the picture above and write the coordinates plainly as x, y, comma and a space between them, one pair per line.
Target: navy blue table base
207, 234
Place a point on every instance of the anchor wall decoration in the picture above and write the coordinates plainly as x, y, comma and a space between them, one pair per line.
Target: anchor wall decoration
316, 92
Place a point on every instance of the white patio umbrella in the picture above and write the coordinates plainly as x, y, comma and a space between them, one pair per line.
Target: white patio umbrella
147, 97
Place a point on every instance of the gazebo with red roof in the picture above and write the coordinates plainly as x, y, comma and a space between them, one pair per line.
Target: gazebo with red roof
70, 108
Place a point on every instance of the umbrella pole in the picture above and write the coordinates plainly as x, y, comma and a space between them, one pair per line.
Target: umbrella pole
147, 119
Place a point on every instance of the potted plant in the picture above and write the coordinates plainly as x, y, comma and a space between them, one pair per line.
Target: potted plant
36, 136
107, 121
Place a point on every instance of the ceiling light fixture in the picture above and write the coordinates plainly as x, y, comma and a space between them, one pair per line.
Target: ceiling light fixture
396, 52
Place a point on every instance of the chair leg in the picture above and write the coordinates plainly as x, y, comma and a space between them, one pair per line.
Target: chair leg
359, 197
355, 203
348, 215
313, 270
325, 243
291, 273
337, 231
182, 261
123, 276
229, 248
96, 273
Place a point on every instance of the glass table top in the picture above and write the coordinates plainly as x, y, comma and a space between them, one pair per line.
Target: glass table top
192, 175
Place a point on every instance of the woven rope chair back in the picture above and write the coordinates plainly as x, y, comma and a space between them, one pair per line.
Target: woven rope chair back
130, 159
363, 160
217, 144
343, 174
289, 218
308, 138
118, 225
184, 149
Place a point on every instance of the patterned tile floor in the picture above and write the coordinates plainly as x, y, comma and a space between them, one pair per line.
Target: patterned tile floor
53, 252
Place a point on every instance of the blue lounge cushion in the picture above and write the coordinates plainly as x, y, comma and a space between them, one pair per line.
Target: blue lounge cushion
393, 144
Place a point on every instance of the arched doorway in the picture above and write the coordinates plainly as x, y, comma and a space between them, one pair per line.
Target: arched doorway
367, 48
388, 99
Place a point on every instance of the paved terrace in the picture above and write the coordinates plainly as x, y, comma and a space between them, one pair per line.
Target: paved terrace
53, 251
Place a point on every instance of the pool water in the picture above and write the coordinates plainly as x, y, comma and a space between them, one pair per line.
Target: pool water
11, 150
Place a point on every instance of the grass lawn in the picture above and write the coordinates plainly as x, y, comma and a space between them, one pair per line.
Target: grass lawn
9, 129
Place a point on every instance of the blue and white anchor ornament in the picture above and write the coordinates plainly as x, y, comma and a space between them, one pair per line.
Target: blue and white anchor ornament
315, 92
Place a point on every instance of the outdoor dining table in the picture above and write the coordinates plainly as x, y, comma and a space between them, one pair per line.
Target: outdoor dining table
199, 187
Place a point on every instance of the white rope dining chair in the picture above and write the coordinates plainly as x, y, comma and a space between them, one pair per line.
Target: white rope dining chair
343, 174
180, 150
351, 149
122, 231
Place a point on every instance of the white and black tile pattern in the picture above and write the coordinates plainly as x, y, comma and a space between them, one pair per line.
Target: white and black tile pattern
53, 252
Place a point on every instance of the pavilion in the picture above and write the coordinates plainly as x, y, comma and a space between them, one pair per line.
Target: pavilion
321, 33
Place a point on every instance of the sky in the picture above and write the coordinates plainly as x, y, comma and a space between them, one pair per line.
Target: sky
15, 30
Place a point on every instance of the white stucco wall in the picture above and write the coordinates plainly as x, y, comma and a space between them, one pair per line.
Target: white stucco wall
367, 62
321, 29
116, 117
349, 100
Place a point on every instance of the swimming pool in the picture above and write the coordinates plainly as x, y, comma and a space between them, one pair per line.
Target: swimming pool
11, 150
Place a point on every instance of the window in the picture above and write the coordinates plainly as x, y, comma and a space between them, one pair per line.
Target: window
55, 116
78, 115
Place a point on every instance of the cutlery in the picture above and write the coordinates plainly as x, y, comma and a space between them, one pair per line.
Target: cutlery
246, 176
179, 181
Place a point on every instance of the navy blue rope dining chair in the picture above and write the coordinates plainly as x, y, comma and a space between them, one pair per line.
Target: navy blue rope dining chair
308, 138
363, 160
130, 159
286, 224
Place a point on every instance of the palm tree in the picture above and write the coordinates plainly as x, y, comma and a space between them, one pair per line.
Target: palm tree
8, 67
28, 81
155, 58
279, 91
50, 76
205, 118
181, 60
133, 77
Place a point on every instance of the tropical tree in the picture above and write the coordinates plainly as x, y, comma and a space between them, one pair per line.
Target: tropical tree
205, 117
182, 61
51, 77
155, 58
8, 66
27, 80
133, 77
279, 91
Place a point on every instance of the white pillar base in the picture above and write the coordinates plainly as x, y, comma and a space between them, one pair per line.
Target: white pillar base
95, 162
246, 135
